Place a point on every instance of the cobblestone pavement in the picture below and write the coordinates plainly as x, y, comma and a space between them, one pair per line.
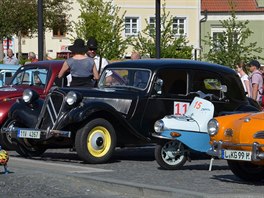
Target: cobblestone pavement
130, 173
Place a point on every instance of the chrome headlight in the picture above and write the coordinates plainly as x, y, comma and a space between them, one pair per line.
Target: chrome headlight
159, 126
73, 98
29, 96
212, 127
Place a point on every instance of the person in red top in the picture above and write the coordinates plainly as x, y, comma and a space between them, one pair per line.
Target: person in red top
32, 57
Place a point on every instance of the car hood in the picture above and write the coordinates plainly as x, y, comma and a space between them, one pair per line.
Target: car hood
107, 92
13, 91
257, 116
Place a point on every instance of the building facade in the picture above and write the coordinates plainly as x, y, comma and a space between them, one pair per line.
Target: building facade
186, 14
215, 10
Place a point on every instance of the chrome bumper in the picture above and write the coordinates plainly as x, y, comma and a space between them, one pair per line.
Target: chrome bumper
216, 148
44, 134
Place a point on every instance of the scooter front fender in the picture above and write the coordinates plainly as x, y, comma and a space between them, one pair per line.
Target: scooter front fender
198, 141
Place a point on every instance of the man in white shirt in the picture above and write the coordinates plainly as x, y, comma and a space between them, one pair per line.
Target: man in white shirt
92, 47
10, 58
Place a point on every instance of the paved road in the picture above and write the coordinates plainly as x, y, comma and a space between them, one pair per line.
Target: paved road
130, 173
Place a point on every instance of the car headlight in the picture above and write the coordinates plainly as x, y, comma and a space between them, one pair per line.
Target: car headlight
73, 98
159, 126
213, 127
30, 96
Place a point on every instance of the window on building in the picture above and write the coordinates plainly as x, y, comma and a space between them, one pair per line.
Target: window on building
179, 26
152, 26
59, 29
217, 39
131, 25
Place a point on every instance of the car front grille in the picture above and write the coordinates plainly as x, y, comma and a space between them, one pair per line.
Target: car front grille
51, 110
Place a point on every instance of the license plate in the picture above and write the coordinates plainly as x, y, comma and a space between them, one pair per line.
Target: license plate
28, 134
236, 155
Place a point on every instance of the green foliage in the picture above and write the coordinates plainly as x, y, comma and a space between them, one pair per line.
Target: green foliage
171, 46
20, 17
17, 15
230, 47
101, 20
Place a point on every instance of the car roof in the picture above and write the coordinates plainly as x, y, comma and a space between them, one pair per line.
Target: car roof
9, 67
55, 64
155, 64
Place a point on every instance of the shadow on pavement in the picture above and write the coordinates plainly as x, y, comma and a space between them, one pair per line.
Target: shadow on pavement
233, 179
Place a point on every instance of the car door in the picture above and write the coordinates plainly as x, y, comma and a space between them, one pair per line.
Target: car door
172, 98
210, 83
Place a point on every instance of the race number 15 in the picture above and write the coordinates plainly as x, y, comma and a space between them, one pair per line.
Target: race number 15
180, 108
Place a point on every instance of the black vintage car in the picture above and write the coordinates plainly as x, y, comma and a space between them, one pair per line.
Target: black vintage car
121, 111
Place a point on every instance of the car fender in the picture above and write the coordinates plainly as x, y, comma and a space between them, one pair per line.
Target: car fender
94, 109
26, 114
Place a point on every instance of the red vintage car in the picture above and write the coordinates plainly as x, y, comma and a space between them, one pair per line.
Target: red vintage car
40, 76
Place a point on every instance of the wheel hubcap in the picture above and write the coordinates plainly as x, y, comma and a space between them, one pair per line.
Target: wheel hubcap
99, 141
172, 152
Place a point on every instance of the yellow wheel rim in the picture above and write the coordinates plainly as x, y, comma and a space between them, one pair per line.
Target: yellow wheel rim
99, 141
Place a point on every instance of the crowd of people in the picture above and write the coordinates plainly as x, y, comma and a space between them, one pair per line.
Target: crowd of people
85, 67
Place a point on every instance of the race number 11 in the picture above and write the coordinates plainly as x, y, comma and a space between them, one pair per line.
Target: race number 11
180, 108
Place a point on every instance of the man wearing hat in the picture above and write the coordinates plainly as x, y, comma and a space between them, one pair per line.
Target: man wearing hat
99, 61
256, 81
82, 68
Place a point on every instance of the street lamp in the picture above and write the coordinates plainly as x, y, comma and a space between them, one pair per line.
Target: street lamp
40, 29
157, 29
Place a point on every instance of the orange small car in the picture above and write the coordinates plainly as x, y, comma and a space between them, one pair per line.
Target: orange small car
239, 138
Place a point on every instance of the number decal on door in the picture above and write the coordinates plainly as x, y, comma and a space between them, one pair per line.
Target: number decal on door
180, 108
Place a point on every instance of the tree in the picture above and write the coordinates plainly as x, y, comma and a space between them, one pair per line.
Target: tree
171, 46
20, 17
101, 20
230, 46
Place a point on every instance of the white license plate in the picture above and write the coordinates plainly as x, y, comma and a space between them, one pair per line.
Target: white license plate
236, 155
28, 134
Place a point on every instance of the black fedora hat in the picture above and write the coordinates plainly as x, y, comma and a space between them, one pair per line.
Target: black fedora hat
92, 43
78, 46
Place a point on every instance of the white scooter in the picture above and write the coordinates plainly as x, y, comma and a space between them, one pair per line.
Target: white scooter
181, 134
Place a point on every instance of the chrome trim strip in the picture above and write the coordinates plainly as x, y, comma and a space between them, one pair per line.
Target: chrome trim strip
121, 105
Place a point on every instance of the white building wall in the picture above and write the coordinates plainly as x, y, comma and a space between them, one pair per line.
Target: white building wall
141, 8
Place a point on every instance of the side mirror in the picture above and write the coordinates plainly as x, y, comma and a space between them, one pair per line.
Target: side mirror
223, 88
158, 86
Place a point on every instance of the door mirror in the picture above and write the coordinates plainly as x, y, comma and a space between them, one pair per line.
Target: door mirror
158, 86
223, 88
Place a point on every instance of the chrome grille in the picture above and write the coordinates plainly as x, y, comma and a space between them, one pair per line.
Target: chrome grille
51, 110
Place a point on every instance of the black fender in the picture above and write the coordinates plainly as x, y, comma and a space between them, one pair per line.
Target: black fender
26, 113
91, 109
254, 103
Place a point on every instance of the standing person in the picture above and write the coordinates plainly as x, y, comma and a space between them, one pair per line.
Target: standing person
10, 58
82, 68
256, 81
32, 57
135, 56
99, 61
240, 68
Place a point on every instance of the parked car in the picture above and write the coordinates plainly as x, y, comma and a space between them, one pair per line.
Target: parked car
122, 110
239, 139
6, 73
24, 78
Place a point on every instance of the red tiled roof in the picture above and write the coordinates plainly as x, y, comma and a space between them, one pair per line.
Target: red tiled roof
223, 6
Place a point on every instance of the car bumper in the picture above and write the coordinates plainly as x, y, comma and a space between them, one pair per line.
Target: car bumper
15, 132
217, 146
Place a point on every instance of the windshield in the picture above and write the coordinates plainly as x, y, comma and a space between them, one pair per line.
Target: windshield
30, 76
135, 78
